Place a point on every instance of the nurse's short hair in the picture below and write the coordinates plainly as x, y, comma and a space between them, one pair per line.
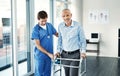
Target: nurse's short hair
42, 15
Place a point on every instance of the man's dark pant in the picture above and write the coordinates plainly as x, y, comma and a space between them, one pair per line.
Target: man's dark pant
69, 71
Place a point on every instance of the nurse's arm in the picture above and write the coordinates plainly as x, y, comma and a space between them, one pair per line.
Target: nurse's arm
37, 43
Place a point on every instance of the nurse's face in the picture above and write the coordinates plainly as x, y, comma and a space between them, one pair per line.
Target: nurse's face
42, 21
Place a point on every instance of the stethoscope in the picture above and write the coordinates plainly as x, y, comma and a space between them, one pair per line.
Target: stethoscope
48, 34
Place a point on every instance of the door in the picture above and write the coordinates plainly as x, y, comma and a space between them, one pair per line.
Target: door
118, 42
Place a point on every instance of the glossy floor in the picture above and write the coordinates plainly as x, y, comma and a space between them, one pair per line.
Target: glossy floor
96, 66
101, 66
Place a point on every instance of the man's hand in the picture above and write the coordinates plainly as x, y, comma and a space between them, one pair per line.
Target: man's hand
57, 54
83, 55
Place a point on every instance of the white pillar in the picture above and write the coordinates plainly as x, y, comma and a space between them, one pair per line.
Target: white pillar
76, 8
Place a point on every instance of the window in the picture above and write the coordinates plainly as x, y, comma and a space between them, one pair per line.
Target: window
6, 63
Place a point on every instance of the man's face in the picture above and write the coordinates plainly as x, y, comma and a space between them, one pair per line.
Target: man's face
66, 15
42, 21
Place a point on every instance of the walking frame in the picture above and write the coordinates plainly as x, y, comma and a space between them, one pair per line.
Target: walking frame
82, 69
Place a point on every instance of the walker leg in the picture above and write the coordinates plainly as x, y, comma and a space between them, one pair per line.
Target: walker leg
53, 70
60, 69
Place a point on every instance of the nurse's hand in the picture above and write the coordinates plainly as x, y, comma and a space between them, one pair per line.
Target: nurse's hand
57, 54
51, 56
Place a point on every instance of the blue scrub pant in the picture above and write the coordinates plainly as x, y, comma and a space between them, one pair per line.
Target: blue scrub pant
42, 66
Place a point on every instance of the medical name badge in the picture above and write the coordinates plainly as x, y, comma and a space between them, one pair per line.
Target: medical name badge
48, 36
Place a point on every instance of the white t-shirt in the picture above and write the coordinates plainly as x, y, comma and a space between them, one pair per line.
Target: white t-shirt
44, 27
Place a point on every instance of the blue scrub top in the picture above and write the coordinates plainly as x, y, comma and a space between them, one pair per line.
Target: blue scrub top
45, 37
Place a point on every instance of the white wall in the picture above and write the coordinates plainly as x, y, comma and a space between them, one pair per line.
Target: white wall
109, 31
76, 8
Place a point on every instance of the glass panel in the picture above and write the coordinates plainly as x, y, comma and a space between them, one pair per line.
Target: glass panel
60, 5
5, 39
23, 53
42, 5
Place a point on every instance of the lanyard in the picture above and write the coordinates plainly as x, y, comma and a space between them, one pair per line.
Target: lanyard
48, 34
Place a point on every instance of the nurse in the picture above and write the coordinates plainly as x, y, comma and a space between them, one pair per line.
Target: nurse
42, 35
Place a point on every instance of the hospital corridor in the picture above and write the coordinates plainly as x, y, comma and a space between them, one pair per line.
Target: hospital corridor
59, 38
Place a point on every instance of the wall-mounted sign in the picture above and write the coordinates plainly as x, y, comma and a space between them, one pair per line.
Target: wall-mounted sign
98, 16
